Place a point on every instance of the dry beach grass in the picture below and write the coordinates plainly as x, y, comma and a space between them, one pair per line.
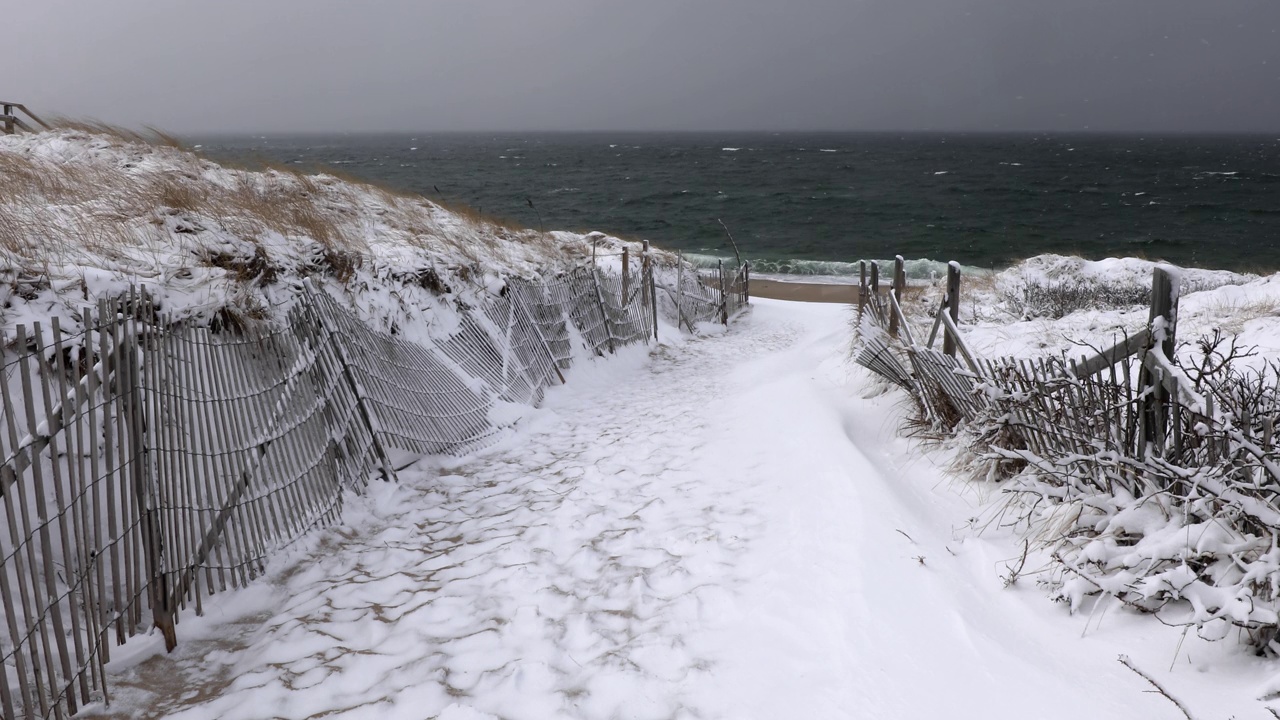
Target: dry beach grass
88, 205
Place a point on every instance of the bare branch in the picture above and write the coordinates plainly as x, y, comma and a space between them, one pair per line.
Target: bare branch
1125, 661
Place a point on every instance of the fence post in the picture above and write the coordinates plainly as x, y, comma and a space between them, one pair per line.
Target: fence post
143, 479
724, 296
746, 282
874, 297
862, 287
604, 312
899, 281
8, 119
680, 290
362, 400
953, 306
1163, 323
626, 276
651, 288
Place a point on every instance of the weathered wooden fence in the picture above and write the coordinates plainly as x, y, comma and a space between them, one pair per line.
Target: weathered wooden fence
1124, 432
146, 463
11, 114
708, 294
954, 385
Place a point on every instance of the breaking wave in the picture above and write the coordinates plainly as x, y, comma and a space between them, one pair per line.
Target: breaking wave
834, 271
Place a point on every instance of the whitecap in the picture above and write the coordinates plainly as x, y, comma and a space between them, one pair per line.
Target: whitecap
730, 149
941, 172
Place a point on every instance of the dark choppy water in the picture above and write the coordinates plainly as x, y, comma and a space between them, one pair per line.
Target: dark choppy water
800, 202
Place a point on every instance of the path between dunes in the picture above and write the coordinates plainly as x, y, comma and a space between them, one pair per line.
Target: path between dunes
722, 529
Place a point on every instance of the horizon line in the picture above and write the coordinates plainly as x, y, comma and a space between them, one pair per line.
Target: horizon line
1022, 132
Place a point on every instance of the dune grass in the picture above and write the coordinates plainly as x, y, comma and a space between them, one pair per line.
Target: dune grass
144, 189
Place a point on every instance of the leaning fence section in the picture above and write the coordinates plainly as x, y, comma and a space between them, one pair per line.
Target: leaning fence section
146, 464
706, 295
255, 436
1170, 468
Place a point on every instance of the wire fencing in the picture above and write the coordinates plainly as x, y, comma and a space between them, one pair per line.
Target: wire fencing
146, 464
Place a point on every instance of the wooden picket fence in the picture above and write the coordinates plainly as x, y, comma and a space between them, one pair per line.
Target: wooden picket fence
147, 463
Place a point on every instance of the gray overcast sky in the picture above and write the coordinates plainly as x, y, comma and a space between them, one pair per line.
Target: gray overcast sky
321, 65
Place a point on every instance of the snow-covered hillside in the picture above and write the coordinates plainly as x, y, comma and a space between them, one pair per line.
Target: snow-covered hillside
85, 214
1052, 304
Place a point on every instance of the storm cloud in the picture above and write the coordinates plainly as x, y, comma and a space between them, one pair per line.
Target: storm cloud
388, 65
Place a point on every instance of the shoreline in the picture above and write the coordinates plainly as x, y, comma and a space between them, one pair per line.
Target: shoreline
804, 292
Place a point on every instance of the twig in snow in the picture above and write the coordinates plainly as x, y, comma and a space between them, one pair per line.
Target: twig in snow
1124, 660
905, 536
1179, 648
1014, 573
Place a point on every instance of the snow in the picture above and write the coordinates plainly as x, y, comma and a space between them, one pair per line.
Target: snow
721, 526
1235, 303
729, 526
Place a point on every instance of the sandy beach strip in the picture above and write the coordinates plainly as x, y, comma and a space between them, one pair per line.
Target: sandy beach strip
804, 292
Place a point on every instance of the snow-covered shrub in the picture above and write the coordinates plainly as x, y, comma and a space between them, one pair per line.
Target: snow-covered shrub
1037, 297
1188, 529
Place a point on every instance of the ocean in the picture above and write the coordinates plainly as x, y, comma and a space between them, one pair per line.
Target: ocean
816, 203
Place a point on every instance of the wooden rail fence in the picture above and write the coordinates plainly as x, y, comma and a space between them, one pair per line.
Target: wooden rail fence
11, 118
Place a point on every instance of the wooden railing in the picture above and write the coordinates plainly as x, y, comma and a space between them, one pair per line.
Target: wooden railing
11, 122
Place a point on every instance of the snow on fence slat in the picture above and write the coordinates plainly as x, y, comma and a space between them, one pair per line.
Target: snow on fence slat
146, 464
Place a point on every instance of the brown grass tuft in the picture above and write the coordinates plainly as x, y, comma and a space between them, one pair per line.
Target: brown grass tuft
148, 135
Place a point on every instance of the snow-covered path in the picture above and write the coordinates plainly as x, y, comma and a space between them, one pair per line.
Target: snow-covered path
723, 529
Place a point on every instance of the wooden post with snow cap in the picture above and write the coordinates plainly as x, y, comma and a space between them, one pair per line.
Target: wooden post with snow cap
626, 276
724, 294
1163, 326
862, 288
650, 287
952, 308
875, 287
899, 283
